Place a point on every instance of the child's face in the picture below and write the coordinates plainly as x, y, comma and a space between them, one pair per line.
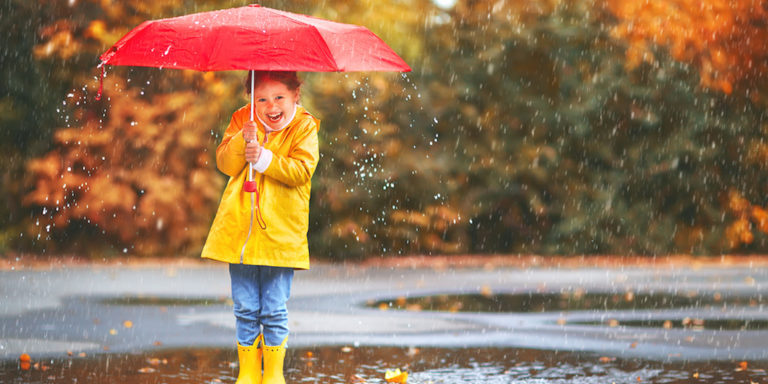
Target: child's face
274, 103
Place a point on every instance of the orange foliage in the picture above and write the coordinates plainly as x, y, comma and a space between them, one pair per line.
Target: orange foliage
424, 228
144, 177
748, 216
724, 39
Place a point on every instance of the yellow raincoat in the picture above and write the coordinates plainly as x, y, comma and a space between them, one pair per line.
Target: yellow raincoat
283, 195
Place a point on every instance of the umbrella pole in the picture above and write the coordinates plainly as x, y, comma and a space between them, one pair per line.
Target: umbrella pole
250, 185
253, 81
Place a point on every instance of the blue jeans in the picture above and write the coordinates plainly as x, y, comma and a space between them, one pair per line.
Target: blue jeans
260, 293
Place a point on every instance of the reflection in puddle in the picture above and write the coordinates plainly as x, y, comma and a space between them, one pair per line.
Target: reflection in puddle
367, 365
567, 301
164, 301
689, 323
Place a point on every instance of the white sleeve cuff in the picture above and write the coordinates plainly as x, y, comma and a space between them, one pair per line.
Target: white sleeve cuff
265, 158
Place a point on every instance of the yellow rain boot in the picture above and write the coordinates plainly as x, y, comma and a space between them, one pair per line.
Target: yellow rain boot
250, 363
273, 363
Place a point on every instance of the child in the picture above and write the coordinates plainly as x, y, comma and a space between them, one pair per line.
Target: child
263, 235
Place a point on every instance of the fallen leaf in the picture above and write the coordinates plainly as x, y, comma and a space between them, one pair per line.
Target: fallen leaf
695, 375
613, 323
413, 307
606, 359
346, 349
25, 362
561, 321
357, 379
128, 324
633, 345
146, 370
667, 324
153, 361
396, 376
742, 366
113, 332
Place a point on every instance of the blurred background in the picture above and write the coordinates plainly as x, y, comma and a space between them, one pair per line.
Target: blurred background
551, 127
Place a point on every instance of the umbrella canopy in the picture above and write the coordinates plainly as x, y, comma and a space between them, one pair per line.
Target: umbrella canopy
253, 38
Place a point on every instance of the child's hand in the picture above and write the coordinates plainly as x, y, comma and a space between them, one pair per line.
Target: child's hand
249, 131
252, 147
252, 151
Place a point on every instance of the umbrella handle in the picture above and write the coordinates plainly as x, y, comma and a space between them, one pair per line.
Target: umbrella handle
250, 184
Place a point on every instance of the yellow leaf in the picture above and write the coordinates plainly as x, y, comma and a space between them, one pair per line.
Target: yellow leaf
396, 376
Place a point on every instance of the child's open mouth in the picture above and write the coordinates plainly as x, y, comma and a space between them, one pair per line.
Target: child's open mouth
275, 117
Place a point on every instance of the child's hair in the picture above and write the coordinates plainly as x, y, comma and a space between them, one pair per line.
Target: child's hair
289, 78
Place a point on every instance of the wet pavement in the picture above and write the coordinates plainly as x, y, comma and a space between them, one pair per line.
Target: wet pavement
368, 364
133, 309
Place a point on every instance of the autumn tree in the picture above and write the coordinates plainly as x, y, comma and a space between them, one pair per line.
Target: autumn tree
725, 41
133, 172
142, 181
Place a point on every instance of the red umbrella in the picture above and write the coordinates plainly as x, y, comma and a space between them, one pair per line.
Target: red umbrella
252, 38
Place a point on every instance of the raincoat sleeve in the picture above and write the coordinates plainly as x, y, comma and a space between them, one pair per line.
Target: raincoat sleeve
230, 155
297, 167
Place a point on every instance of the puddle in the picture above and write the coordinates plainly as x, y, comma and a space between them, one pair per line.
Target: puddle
567, 301
367, 365
688, 323
164, 301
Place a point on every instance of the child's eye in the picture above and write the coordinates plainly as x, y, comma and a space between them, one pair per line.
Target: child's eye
280, 97
261, 100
